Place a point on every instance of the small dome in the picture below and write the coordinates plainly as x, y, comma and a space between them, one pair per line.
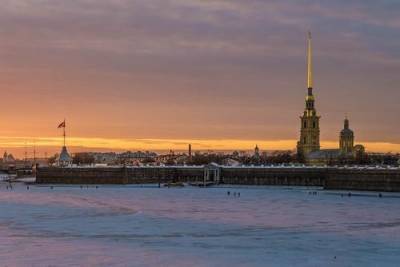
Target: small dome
359, 148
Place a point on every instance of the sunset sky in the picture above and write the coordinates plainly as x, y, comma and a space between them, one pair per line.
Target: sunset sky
221, 74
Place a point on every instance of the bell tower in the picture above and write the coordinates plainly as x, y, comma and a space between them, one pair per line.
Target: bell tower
309, 129
346, 139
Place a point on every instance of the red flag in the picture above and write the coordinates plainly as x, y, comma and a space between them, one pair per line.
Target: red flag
62, 125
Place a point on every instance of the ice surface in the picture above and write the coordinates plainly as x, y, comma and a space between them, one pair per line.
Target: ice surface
135, 226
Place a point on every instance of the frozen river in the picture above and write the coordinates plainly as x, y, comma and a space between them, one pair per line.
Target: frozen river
133, 226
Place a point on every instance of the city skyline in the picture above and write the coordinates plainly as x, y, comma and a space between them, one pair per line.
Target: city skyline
220, 75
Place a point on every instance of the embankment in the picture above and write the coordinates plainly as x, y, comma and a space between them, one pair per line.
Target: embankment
374, 179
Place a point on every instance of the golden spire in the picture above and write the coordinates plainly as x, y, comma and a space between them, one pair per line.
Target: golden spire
309, 62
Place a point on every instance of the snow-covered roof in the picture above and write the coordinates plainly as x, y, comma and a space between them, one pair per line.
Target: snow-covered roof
64, 155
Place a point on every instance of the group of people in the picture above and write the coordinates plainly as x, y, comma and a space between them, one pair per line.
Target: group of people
9, 186
235, 194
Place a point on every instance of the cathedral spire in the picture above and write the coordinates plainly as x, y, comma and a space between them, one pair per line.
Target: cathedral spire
309, 62
309, 131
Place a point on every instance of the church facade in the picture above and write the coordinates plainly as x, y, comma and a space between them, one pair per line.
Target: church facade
308, 145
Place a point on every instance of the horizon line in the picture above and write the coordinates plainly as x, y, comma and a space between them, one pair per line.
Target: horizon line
80, 144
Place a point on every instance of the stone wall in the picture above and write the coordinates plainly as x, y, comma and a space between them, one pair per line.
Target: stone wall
117, 175
274, 176
363, 180
329, 178
164, 174
56, 175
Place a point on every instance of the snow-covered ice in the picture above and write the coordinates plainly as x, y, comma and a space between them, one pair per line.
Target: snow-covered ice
149, 226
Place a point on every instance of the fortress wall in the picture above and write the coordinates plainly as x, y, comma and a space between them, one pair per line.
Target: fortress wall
133, 175
117, 175
274, 176
50, 175
363, 180
333, 179
164, 174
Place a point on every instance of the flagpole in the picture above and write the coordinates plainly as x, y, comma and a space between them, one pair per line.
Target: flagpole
64, 131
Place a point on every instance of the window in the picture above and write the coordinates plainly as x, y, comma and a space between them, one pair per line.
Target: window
305, 124
305, 140
314, 124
